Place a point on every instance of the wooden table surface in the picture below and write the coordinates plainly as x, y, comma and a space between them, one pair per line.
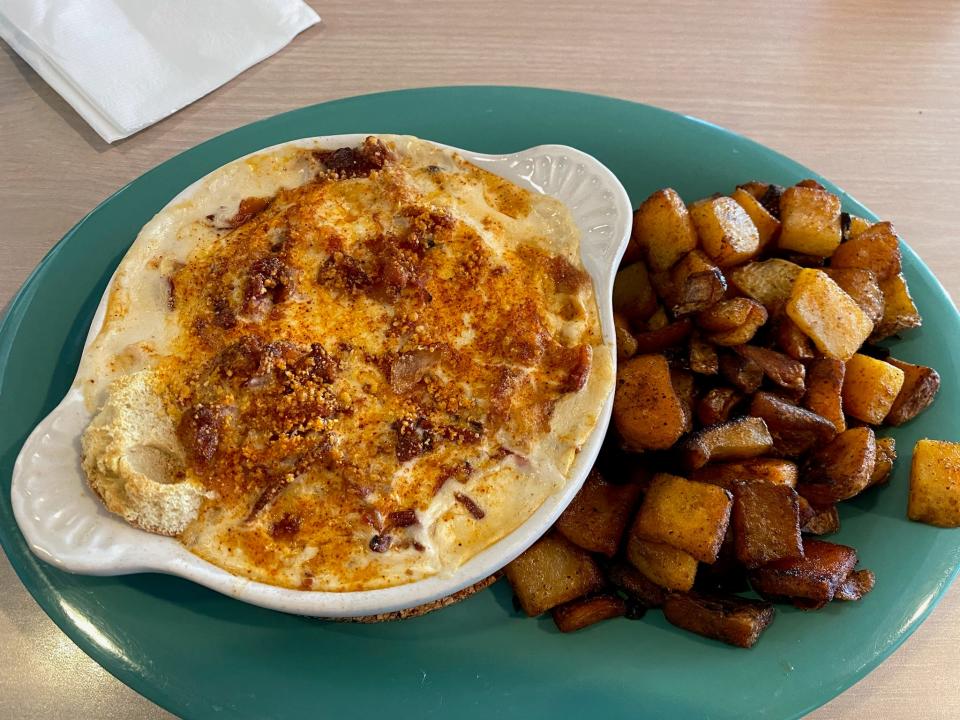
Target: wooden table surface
866, 92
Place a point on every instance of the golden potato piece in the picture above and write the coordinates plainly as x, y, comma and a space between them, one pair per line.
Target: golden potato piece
816, 576
732, 322
824, 390
855, 226
876, 249
662, 228
857, 584
599, 514
703, 357
840, 469
578, 614
769, 282
727, 234
687, 515
786, 372
792, 340
862, 287
768, 227
824, 522
730, 619
773, 471
920, 386
745, 437
635, 584
626, 343
899, 311
754, 188
664, 565
717, 404
664, 337
870, 387
695, 283
827, 315
766, 522
935, 483
810, 221
886, 455
794, 430
646, 409
742, 373
552, 571
633, 296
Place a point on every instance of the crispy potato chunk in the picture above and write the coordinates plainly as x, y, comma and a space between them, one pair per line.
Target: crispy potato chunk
599, 514
862, 286
824, 390
886, 455
876, 249
693, 284
858, 584
935, 483
663, 338
578, 614
733, 620
899, 311
633, 296
768, 227
626, 343
825, 522
738, 439
794, 430
816, 576
855, 226
686, 390
727, 234
635, 584
687, 515
646, 409
662, 228
732, 322
840, 469
870, 387
920, 386
792, 340
773, 471
717, 405
810, 221
769, 282
552, 571
827, 315
783, 370
742, 373
766, 523
703, 357
664, 565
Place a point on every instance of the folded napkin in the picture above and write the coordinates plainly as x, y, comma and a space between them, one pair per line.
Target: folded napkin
125, 64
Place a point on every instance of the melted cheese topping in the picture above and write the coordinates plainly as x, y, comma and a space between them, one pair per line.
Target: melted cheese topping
379, 360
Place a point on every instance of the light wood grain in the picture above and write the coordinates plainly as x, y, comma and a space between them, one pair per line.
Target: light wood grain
866, 92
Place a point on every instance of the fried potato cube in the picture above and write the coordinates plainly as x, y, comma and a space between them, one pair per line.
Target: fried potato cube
825, 522
816, 576
695, 283
840, 469
827, 315
862, 286
768, 227
824, 390
792, 340
899, 311
920, 386
658, 320
754, 188
855, 226
858, 584
552, 571
662, 564
717, 405
663, 229
870, 387
738, 439
633, 295
663, 338
635, 584
727, 234
599, 514
810, 221
646, 409
935, 483
772, 471
686, 390
743, 374
781, 369
766, 523
733, 620
886, 455
687, 515
769, 282
732, 322
578, 614
626, 343
876, 249
794, 430
703, 357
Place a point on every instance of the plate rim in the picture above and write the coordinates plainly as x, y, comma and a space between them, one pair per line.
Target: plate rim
25, 565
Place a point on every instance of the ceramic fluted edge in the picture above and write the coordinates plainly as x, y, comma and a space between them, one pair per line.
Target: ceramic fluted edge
65, 524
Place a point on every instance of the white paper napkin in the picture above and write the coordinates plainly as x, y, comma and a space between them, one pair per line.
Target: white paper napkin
125, 64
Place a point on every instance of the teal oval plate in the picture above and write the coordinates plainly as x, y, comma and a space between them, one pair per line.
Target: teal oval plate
200, 654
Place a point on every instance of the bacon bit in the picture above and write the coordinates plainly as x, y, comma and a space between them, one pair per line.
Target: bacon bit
567, 278
418, 547
406, 369
317, 365
199, 430
223, 315
501, 453
306, 583
380, 543
414, 437
470, 505
242, 359
270, 493
345, 163
171, 294
270, 282
286, 527
396, 274
248, 209
575, 363
402, 518
461, 473
468, 435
